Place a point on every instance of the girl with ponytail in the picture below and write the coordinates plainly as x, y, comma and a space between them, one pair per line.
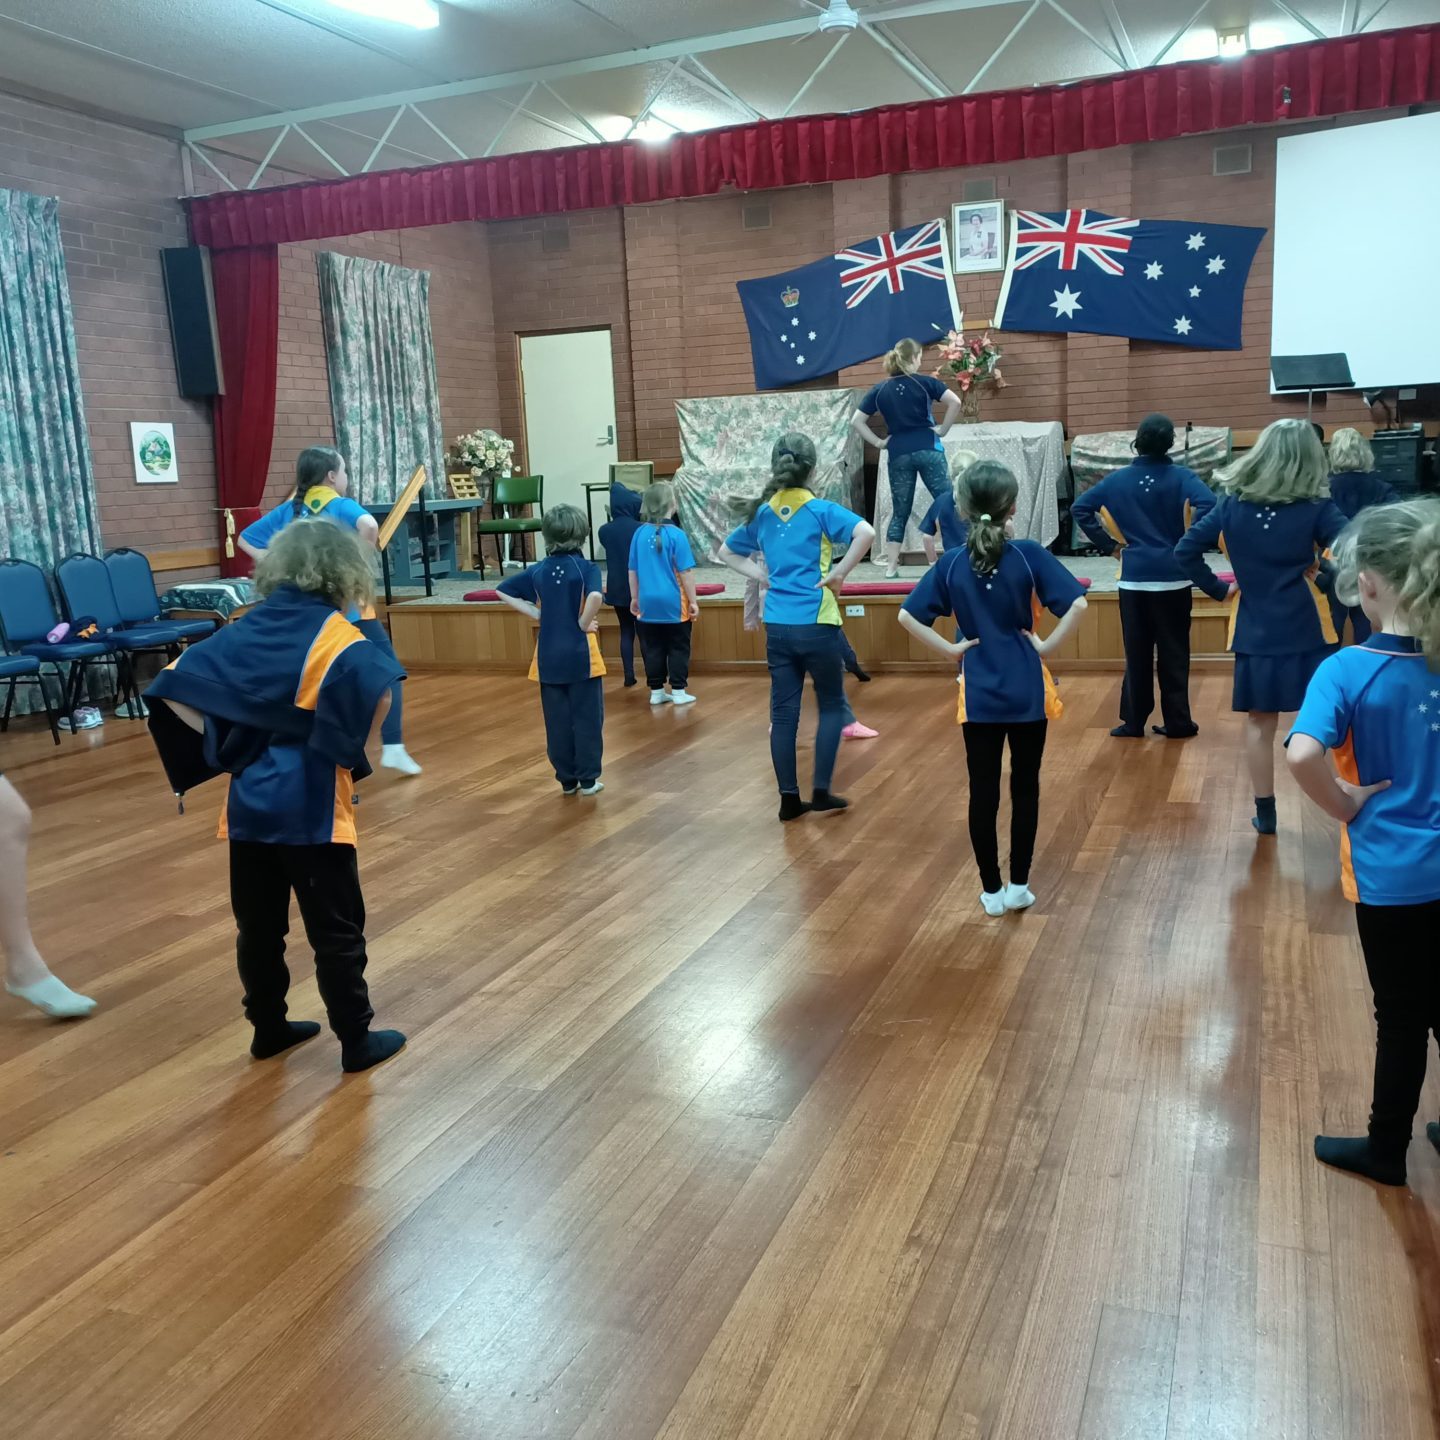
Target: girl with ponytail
913, 450
663, 599
1377, 707
993, 586
796, 533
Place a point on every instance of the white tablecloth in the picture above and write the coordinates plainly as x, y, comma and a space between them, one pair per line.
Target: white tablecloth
1034, 451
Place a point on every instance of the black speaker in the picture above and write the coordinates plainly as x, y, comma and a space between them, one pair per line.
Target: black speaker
191, 300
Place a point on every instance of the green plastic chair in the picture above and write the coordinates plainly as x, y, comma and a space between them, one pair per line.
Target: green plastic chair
511, 493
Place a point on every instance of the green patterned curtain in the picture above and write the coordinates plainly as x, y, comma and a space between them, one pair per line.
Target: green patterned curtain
47, 483
383, 393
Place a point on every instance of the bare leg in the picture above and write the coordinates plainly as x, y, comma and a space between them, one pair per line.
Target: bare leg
1260, 759
26, 973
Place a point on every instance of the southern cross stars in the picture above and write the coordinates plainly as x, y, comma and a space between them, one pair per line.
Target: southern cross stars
1194, 292
1154, 270
1216, 265
1196, 241
1066, 303
1182, 325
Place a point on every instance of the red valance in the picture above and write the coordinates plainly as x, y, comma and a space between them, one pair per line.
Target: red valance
1296, 82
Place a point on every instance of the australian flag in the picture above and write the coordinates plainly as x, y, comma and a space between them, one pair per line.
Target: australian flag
850, 307
1180, 281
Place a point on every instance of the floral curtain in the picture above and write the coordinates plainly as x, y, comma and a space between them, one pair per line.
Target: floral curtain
47, 483
383, 393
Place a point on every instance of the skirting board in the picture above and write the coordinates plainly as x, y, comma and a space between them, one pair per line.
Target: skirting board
493, 637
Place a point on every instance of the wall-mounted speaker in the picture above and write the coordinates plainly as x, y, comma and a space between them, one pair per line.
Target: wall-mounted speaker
190, 297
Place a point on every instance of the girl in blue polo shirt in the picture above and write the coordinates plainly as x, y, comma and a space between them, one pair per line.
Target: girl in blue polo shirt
662, 596
322, 490
913, 449
990, 586
942, 520
1377, 707
1354, 486
1140, 512
1274, 519
563, 592
798, 533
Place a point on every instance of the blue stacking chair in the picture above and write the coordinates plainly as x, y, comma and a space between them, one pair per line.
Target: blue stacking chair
26, 668
86, 589
27, 616
135, 594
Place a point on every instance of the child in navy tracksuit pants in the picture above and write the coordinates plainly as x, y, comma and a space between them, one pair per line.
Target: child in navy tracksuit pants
615, 536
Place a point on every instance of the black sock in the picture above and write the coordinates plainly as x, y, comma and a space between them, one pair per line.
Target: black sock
1264, 820
859, 673
824, 800
1124, 732
792, 807
1356, 1156
372, 1048
1174, 734
1432, 1133
273, 1040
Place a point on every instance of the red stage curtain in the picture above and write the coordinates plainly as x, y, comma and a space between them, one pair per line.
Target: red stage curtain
247, 318
1297, 82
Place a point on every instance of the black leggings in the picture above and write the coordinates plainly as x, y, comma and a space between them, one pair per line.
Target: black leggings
627, 639
984, 749
1399, 946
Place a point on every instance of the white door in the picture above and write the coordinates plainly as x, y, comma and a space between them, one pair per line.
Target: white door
568, 385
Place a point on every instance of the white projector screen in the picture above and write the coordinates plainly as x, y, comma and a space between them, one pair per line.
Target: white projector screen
1357, 249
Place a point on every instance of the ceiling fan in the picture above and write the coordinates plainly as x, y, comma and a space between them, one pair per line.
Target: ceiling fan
837, 17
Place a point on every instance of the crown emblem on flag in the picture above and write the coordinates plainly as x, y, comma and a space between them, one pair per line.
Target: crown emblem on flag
790, 297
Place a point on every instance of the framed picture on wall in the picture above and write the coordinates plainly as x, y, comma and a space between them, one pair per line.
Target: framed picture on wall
152, 445
977, 235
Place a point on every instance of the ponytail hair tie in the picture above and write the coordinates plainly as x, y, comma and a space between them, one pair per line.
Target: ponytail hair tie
985, 518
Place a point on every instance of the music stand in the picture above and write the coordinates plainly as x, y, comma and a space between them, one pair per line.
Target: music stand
414, 489
1311, 373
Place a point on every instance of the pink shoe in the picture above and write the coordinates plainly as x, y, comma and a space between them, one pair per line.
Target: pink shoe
856, 731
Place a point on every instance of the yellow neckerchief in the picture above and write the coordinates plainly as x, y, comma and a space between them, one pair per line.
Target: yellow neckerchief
317, 497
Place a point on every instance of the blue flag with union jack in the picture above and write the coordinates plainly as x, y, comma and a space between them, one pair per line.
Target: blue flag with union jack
850, 307
1179, 281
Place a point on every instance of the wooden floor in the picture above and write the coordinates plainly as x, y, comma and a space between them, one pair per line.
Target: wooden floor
711, 1129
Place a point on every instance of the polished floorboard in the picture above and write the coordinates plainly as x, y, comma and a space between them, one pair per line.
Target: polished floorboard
709, 1128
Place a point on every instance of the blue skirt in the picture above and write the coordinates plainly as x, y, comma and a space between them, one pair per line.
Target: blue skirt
1271, 683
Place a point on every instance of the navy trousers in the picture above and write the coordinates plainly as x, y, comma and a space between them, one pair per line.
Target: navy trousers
574, 729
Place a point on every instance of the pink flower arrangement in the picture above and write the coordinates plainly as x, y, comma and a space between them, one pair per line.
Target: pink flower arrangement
968, 363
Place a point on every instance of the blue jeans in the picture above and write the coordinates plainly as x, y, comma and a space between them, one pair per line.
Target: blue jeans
574, 729
931, 467
392, 728
792, 651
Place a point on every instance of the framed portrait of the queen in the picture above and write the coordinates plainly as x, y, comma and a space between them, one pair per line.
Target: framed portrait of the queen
977, 236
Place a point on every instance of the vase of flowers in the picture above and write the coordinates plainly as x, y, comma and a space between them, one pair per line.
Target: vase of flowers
972, 369
486, 454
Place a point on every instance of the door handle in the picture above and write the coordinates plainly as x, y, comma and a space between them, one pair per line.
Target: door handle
608, 438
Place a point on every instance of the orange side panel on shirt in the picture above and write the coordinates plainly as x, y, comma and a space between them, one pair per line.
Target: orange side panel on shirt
1116, 534
344, 830
335, 635
1347, 769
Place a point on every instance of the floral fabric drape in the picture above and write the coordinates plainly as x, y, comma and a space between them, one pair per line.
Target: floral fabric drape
47, 483
384, 397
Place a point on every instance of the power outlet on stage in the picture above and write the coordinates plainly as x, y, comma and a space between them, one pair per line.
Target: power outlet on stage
851, 611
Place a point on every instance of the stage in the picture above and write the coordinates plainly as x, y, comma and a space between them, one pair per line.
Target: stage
444, 632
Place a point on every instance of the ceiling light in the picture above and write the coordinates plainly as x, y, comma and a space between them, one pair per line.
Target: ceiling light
1201, 43
421, 14
1232, 43
1264, 35
651, 130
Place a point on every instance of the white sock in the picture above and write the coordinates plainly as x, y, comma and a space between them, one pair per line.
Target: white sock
659, 697
54, 997
397, 757
681, 697
1018, 897
994, 903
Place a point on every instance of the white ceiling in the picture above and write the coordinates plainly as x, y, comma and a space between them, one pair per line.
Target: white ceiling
187, 64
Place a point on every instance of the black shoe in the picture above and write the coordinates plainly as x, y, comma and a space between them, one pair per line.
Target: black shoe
823, 800
792, 807
630, 681
1173, 734
1124, 732
1357, 1156
861, 675
373, 1048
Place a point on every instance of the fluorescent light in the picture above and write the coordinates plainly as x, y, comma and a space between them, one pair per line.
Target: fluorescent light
1265, 34
651, 130
1201, 43
421, 14
1232, 43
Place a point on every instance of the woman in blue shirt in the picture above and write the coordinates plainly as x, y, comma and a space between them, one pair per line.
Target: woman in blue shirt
1274, 520
1140, 513
991, 587
322, 488
798, 533
1377, 707
1354, 486
913, 449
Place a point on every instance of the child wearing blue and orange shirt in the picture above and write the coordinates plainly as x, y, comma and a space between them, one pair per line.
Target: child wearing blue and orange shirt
563, 592
1140, 512
322, 491
615, 536
797, 534
662, 596
942, 519
1376, 706
990, 587
284, 701
1354, 486
1275, 520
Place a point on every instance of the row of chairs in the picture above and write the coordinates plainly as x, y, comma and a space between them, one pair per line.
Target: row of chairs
118, 592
